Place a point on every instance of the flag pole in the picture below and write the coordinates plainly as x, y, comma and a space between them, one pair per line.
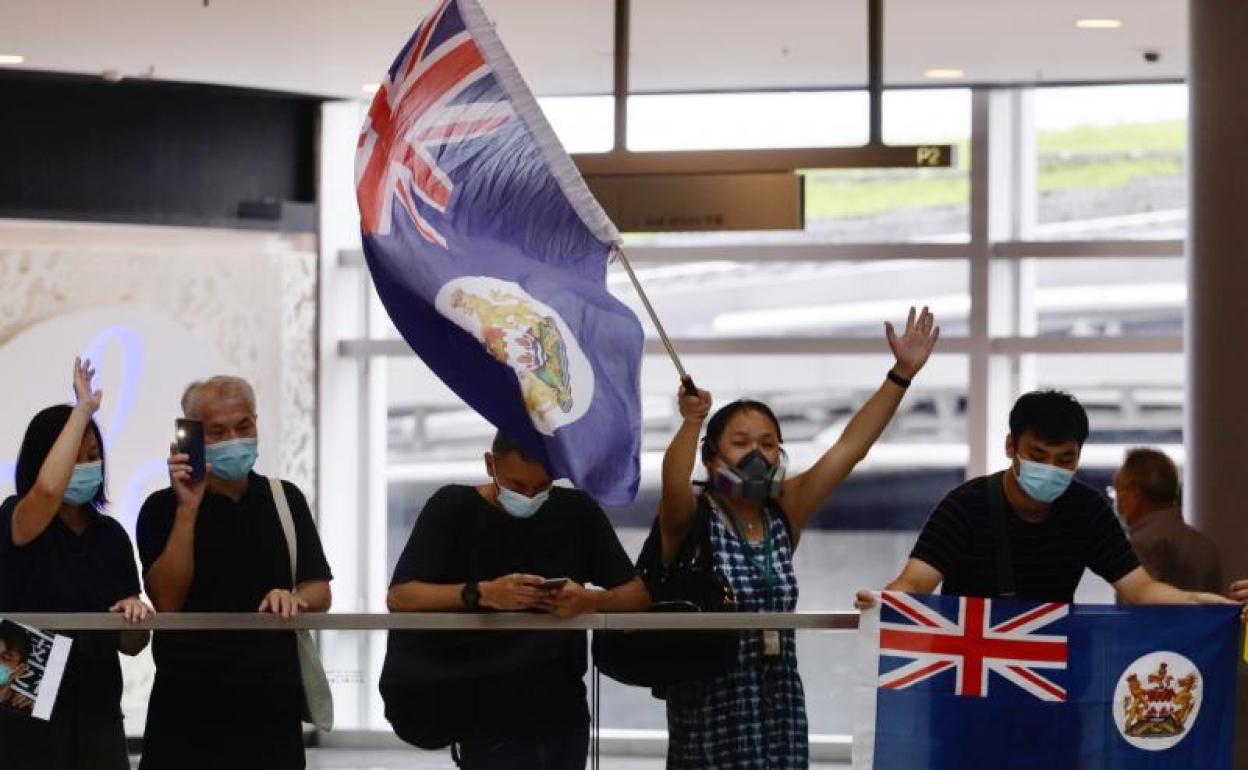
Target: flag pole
658, 325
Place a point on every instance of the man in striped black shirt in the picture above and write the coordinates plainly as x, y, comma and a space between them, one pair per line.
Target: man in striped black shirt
1055, 526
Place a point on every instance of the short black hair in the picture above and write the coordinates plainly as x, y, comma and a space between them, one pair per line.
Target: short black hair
1053, 416
1154, 474
506, 445
718, 423
15, 638
41, 434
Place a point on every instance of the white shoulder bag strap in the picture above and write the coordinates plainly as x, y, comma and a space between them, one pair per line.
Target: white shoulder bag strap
318, 701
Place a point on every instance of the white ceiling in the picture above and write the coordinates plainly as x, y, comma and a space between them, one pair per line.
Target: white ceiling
332, 47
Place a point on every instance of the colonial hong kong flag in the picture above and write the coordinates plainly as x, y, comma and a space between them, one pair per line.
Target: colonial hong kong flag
490, 254
949, 682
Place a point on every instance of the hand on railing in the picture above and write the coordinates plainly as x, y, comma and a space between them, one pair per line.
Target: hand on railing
133, 608
864, 599
283, 603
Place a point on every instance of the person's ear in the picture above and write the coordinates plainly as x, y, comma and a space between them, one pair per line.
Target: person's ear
1132, 494
489, 464
1010, 447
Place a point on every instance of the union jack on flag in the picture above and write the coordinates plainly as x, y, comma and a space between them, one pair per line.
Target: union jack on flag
973, 646
426, 102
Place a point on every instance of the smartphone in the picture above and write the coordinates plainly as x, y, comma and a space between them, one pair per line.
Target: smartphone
190, 440
553, 584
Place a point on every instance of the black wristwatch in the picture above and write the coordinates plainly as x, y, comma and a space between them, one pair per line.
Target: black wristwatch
897, 379
471, 595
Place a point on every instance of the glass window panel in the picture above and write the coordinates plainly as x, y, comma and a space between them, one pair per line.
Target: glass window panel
1111, 162
730, 121
716, 299
1131, 398
1109, 297
582, 123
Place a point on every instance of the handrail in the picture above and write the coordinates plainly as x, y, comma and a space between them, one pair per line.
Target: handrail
443, 621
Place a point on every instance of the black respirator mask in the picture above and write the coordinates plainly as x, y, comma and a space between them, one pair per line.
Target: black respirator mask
752, 478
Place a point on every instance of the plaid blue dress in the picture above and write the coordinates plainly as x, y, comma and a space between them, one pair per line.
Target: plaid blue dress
754, 716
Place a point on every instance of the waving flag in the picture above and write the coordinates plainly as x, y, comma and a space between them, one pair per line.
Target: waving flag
949, 682
490, 254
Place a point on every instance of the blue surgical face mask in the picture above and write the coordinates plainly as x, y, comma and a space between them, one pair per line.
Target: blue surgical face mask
1043, 483
517, 504
84, 483
6, 675
232, 460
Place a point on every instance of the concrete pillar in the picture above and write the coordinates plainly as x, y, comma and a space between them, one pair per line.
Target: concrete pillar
1217, 251
1217, 258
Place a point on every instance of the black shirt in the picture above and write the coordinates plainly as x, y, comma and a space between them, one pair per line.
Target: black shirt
240, 555
1049, 556
60, 571
459, 537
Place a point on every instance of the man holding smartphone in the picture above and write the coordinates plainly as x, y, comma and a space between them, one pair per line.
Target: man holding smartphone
214, 542
514, 543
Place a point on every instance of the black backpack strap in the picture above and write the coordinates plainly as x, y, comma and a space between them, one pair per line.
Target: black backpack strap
694, 550
998, 514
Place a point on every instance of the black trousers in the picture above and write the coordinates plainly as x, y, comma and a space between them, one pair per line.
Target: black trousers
74, 739
494, 750
203, 726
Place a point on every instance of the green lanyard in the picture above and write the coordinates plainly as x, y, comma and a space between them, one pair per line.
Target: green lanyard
766, 564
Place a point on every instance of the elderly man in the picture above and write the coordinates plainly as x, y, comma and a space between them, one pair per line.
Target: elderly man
1146, 496
226, 699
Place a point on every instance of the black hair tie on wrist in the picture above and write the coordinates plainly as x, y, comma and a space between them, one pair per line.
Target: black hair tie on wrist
897, 379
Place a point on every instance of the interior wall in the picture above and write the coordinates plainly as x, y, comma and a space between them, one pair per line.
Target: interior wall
156, 308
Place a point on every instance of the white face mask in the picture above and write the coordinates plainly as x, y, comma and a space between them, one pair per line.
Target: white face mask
517, 504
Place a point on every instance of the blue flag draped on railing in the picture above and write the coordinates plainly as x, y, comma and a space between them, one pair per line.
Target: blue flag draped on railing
490, 254
949, 682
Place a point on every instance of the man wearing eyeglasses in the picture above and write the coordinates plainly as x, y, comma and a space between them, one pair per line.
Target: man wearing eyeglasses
1146, 497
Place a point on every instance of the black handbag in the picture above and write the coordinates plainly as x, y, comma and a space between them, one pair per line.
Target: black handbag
431, 681
658, 659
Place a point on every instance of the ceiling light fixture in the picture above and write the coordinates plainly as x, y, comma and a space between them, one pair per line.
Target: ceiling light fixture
943, 72
1098, 23
8, 58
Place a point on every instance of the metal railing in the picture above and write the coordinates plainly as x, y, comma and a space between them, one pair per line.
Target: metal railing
444, 621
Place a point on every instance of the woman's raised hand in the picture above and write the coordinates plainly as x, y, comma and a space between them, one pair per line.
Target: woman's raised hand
83, 395
914, 345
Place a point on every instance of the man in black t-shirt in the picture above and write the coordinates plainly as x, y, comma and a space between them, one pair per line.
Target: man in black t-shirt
1055, 526
227, 699
502, 546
